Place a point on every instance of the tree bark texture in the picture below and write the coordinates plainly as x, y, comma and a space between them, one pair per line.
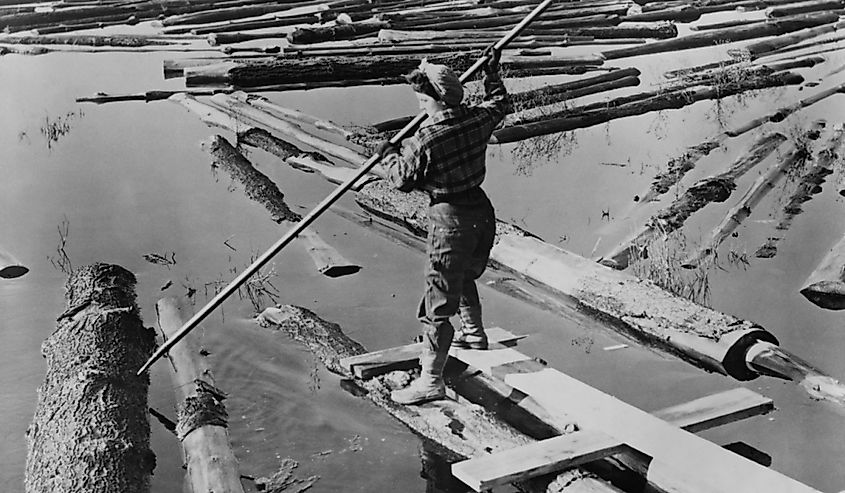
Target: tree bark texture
90, 431
709, 38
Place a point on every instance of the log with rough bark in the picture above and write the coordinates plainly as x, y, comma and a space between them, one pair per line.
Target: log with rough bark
10, 268
253, 73
121, 40
335, 33
808, 185
509, 20
481, 432
777, 27
825, 287
716, 188
261, 189
793, 159
229, 13
661, 30
543, 123
203, 420
810, 44
806, 7
683, 13
760, 48
90, 431
242, 25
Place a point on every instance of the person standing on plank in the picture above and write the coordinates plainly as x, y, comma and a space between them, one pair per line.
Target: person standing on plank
446, 159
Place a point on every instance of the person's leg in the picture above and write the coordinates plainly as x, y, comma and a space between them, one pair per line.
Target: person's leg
471, 334
448, 252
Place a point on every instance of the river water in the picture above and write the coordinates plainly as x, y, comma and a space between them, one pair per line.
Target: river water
129, 179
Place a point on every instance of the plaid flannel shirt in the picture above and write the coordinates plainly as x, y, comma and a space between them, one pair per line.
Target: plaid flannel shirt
447, 155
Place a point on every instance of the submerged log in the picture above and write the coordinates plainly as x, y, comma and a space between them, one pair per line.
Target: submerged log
262, 190
203, 420
825, 287
90, 430
716, 188
671, 100
709, 38
795, 158
808, 185
10, 268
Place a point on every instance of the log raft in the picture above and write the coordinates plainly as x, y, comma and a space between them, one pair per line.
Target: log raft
203, 421
90, 430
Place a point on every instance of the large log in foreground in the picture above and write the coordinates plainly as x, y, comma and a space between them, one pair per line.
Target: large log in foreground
90, 431
203, 420
704, 337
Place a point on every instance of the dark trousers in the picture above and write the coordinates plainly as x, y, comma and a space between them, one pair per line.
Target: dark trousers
460, 236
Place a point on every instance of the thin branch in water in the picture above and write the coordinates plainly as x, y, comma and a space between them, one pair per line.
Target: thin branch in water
62, 262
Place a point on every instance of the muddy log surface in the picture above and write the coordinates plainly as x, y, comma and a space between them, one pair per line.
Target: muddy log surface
453, 429
90, 431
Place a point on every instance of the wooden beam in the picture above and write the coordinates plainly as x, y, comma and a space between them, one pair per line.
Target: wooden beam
535, 459
369, 365
716, 409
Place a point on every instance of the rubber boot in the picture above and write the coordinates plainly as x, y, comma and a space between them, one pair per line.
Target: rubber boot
471, 335
429, 386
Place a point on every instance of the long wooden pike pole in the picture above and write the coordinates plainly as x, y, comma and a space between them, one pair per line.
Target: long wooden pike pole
328, 201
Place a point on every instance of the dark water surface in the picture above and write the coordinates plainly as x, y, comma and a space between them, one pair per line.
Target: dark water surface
130, 179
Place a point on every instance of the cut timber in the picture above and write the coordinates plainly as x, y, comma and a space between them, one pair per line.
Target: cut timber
10, 268
125, 41
709, 38
261, 189
90, 430
203, 420
717, 188
535, 459
335, 33
480, 433
366, 366
679, 457
808, 185
716, 410
826, 285
792, 159
294, 115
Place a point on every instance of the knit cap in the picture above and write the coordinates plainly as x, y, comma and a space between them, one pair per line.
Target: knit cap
444, 81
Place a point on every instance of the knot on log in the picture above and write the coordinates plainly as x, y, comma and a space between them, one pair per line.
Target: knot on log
104, 284
202, 409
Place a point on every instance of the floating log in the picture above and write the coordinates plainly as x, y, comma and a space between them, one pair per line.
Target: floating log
520, 99
10, 268
683, 13
675, 99
218, 38
203, 420
262, 190
335, 33
293, 115
122, 40
145, 96
333, 69
756, 50
243, 25
229, 13
294, 156
716, 188
241, 110
794, 158
803, 46
806, 7
825, 287
709, 38
508, 20
722, 25
808, 185
90, 430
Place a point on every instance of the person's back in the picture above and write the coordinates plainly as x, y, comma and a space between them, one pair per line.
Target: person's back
446, 158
